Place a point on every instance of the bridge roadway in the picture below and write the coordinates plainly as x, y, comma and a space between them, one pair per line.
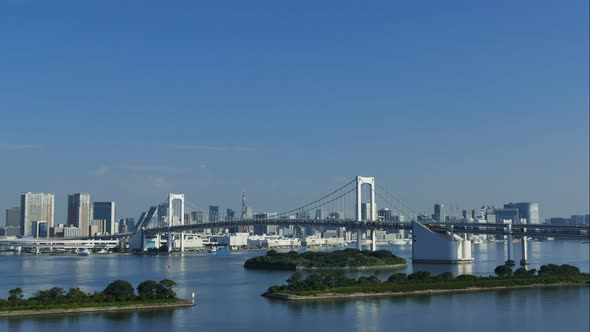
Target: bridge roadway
59, 243
581, 232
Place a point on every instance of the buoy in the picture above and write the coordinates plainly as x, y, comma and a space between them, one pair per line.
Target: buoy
193, 296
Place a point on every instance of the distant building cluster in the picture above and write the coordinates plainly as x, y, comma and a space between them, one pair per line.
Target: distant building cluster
35, 218
575, 220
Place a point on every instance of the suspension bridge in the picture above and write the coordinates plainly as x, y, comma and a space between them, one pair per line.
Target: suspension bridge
353, 206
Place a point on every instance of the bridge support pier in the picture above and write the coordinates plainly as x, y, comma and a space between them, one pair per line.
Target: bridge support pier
525, 259
359, 239
510, 260
181, 241
169, 241
373, 239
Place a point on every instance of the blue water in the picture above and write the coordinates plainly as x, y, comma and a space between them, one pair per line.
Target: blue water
228, 296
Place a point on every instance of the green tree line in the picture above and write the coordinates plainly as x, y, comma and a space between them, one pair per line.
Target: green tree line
118, 292
313, 259
337, 282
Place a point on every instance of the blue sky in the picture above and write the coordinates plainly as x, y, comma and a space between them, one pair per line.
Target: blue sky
452, 101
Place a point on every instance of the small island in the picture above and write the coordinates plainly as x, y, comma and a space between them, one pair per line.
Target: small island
117, 296
347, 259
338, 286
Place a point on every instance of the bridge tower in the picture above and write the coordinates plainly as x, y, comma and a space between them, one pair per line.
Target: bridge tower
175, 217
371, 211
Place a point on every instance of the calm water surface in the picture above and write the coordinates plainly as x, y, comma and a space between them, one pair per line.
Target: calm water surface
228, 296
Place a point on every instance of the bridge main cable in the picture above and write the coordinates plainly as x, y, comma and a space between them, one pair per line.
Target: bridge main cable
318, 200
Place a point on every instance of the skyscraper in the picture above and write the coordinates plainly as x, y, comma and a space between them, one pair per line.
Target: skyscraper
13, 221
528, 211
35, 207
79, 212
105, 211
439, 212
13, 217
213, 213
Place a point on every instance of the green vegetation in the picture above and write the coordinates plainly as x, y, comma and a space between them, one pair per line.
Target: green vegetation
338, 283
118, 293
339, 259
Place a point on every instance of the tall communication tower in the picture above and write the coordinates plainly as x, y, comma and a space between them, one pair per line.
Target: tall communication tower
243, 205
244, 227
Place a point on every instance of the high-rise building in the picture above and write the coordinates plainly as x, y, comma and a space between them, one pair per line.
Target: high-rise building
507, 215
528, 211
318, 214
197, 217
105, 211
35, 207
126, 225
13, 217
468, 214
230, 214
213, 213
79, 212
439, 212
385, 214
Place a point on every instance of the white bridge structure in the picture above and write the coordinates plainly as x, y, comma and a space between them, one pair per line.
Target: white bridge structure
353, 207
57, 243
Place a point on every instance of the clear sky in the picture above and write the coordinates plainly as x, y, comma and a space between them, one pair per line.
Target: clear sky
454, 101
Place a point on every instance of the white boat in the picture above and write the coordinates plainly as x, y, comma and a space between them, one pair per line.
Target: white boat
401, 241
84, 252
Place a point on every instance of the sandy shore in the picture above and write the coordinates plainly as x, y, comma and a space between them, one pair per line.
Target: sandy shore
89, 310
336, 296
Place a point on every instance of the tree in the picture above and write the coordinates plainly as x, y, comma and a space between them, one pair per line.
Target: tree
397, 277
446, 276
164, 289
503, 271
521, 272
466, 277
271, 252
120, 290
419, 275
75, 294
15, 294
147, 289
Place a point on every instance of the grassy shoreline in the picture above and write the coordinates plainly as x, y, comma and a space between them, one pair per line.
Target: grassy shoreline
340, 296
92, 308
347, 259
337, 285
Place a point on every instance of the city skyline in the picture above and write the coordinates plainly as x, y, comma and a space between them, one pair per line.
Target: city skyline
442, 102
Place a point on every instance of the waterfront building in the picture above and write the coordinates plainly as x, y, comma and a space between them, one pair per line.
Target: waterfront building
197, 217
528, 211
213, 213
40, 229
335, 216
105, 211
35, 207
230, 214
79, 213
162, 216
558, 221
439, 212
468, 214
98, 227
12, 221
71, 232
126, 225
574, 219
385, 214
318, 214
505, 215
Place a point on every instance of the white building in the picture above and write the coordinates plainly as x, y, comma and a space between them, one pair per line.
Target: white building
35, 207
